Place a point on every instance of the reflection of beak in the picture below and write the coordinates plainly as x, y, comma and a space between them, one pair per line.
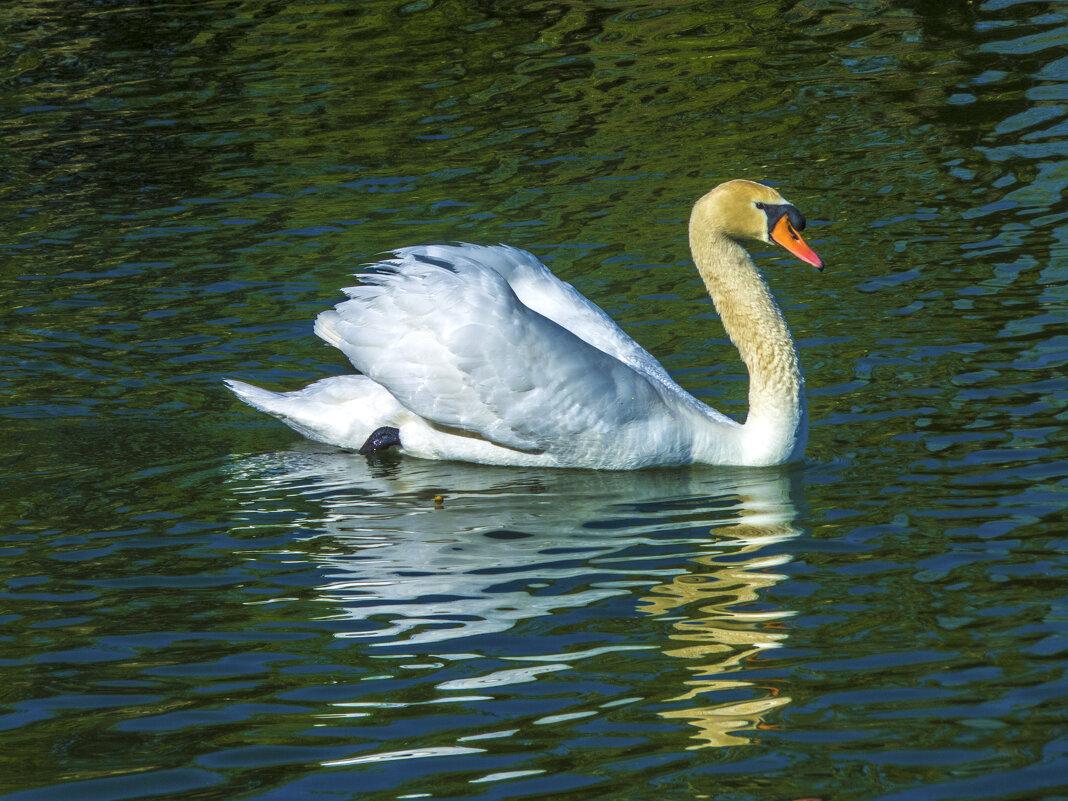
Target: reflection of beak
786, 235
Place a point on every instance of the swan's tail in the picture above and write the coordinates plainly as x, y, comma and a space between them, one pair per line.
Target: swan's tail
341, 411
257, 398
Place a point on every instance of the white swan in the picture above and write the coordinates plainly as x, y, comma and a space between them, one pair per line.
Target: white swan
481, 354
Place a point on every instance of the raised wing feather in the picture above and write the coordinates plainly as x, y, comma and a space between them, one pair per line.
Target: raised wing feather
540, 290
449, 337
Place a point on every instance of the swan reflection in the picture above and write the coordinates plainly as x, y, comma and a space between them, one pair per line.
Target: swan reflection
428, 555
724, 624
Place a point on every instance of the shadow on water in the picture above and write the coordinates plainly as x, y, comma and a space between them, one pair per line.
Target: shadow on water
427, 556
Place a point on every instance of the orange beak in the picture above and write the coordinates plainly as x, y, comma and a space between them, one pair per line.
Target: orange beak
786, 235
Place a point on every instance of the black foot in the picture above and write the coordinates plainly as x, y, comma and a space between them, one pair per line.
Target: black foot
380, 439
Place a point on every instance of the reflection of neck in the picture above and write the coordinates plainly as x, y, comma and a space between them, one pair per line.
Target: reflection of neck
776, 426
720, 614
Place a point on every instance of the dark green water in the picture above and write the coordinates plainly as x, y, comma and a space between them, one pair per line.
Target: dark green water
197, 604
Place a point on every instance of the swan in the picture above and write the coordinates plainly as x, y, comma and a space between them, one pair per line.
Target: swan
480, 354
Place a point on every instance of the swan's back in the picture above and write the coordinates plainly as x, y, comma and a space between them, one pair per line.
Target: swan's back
540, 290
537, 288
487, 341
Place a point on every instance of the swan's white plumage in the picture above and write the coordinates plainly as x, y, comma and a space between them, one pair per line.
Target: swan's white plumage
450, 336
481, 354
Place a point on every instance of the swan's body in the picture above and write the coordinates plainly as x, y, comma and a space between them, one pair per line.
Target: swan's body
481, 354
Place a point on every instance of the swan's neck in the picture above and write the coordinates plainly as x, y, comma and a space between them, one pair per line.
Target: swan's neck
775, 429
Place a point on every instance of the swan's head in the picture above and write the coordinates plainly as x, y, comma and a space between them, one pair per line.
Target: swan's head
747, 210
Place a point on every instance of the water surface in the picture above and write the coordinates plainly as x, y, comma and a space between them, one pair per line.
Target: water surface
198, 604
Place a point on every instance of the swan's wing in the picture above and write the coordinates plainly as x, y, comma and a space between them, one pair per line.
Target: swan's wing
451, 341
538, 289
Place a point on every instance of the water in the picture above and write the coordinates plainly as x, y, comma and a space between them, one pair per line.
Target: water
197, 604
